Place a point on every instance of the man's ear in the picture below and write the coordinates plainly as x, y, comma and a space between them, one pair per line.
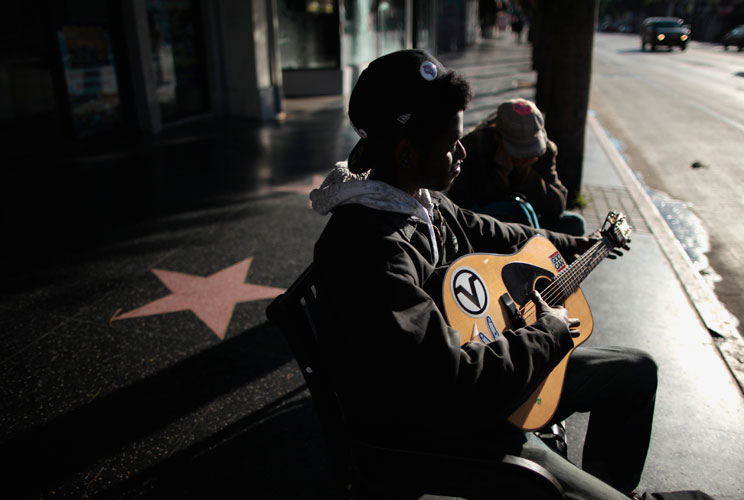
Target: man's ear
406, 155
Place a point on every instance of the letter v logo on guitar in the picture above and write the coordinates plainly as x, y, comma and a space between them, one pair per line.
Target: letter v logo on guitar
470, 292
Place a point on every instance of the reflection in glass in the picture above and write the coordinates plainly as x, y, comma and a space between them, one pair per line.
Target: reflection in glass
373, 28
360, 44
178, 58
90, 77
391, 29
422, 20
308, 34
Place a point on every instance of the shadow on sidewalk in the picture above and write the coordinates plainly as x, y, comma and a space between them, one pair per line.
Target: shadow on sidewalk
52, 453
277, 452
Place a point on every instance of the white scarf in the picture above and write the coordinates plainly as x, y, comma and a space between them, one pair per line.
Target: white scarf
342, 187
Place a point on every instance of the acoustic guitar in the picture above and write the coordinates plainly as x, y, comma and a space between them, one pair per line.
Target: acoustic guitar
484, 294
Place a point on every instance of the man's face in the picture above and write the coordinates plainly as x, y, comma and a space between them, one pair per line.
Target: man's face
442, 160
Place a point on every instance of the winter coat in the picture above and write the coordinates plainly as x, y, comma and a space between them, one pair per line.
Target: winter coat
399, 369
480, 182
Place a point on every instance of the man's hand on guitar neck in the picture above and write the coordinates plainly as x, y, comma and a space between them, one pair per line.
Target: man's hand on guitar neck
558, 312
584, 243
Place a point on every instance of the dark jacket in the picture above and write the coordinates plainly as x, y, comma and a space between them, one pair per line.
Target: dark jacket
400, 370
480, 183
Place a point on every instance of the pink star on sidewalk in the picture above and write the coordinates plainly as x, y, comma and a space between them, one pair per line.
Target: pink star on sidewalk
212, 299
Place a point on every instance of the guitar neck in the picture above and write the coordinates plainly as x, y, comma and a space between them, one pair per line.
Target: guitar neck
570, 278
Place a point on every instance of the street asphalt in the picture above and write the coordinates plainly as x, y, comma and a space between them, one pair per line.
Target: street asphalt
138, 362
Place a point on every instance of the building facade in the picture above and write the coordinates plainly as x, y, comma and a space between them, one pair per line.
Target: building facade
86, 71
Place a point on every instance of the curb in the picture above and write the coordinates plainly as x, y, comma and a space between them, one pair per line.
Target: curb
714, 316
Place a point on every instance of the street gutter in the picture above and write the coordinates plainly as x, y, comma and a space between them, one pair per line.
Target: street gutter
712, 313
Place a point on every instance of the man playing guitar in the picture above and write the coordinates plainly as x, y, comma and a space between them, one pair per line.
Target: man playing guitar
404, 374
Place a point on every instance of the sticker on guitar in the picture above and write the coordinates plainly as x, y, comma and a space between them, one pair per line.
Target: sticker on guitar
557, 261
470, 292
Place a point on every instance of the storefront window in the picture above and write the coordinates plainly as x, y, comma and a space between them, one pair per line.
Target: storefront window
178, 58
391, 28
422, 24
308, 34
90, 76
360, 41
373, 28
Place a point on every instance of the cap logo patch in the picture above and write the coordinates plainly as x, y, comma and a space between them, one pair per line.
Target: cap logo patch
404, 118
522, 108
428, 70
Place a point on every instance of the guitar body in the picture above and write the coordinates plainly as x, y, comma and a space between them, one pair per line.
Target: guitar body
478, 293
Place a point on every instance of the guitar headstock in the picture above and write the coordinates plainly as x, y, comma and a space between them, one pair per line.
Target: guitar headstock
616, 229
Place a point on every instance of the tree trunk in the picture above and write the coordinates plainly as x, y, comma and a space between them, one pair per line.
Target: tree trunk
564, 67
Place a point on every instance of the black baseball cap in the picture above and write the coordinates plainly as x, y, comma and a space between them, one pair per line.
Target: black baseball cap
393, 90
395, 94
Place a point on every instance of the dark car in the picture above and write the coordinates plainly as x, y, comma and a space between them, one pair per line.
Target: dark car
669, 31
734, 38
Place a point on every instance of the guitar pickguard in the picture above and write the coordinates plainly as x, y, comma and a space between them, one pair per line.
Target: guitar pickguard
520, 278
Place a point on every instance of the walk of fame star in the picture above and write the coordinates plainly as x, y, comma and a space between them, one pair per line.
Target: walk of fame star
212, 299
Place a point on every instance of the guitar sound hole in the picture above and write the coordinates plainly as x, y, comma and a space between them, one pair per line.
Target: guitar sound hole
541, 283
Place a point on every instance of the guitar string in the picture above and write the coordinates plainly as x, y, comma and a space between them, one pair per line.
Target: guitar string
552, 293
570, 278
555, 292
566, 282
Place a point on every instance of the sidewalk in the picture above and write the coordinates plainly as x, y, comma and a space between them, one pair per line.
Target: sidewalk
697, 438
116, 384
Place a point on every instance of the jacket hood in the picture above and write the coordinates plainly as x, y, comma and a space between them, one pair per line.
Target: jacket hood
342, 187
